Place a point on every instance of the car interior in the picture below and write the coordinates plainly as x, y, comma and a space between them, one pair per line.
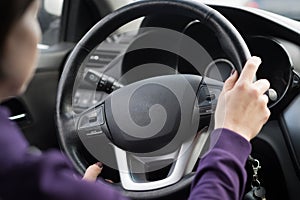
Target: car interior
101, 61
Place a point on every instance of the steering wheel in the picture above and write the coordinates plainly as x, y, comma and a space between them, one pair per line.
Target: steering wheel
152, 121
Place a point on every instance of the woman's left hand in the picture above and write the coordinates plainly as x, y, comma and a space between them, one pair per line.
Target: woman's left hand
92, 172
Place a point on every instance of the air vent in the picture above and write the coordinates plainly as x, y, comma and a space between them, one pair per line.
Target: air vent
101, 58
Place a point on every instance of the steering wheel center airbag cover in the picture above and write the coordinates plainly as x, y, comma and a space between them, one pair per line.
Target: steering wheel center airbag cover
146, 116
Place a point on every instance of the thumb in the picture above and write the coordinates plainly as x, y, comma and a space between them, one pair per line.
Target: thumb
92, 172
230, 82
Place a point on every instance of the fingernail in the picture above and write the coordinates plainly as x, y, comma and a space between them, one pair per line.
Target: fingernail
232, 72
256, 60
100, 165
109, 181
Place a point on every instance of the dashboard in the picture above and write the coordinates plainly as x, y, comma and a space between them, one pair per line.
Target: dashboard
121, 54
273, 38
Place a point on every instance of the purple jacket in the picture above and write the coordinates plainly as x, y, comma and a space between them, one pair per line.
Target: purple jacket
24, 175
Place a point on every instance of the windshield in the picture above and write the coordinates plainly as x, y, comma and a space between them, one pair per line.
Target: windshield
288, 8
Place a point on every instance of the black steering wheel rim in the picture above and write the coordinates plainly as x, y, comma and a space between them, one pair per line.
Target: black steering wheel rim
232, 42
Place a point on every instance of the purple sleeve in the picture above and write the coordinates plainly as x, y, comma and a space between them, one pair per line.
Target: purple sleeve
221, 173
25, 175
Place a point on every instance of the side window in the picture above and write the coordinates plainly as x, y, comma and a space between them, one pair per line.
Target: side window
49, 18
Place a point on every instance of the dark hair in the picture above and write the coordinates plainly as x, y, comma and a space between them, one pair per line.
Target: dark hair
10, 12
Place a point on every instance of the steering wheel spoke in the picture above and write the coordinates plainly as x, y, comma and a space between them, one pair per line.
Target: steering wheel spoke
208, 95
91, 121
135, 177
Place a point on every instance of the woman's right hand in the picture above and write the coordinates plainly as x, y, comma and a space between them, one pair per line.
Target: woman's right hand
242, 105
